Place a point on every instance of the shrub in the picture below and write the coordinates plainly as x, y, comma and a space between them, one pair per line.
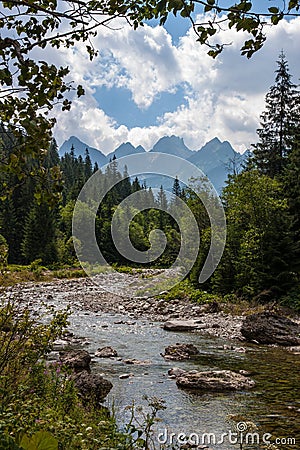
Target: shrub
39, 401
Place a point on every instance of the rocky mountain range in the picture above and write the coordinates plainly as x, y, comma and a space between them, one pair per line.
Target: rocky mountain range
216, 159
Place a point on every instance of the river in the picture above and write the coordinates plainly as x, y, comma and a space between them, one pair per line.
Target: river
273, 405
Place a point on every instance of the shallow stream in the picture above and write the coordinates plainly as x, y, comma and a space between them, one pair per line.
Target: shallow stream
274, 404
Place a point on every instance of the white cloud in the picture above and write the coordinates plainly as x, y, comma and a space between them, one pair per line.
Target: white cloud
224, 97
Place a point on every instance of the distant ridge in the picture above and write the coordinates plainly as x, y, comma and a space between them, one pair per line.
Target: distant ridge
216, 159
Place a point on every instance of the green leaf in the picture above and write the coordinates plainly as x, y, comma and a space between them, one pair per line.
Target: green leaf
8, 443
80, 91
274, 10
42, 440
293, 4
275, 19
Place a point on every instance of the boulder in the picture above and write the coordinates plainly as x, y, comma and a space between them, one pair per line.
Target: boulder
92, 388
214, 380
270, 328
137, 362
106, 352
179, 352
180, 325
77, 360
176, 372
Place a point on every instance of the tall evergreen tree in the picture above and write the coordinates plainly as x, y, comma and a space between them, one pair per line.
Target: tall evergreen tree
88, 167
136, 186
96, 167
291, 184
162, 199
277, 122
10, 229
39, 235
52, 157
125, 184
176, 188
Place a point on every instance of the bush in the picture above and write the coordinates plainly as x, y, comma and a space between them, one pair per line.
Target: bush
3, 253
39, 402
292, 299
187, 290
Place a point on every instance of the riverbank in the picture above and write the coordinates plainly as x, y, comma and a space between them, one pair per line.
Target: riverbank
105, 313
93, 295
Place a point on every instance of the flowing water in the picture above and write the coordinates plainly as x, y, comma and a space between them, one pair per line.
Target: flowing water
274, 404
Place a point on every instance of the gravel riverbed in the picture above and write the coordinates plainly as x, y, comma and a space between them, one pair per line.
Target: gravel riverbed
111, 293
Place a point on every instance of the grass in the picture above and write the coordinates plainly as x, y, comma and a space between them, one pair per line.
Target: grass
230, 304
185, 290
14, 274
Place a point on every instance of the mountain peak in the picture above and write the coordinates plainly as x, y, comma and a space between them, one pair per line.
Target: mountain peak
125, 149
214, 141
80, 148
173, 145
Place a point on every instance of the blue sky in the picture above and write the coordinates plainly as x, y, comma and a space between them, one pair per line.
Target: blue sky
118, 104
159, 81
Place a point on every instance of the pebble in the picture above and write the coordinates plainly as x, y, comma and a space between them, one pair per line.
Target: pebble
92, 298
123, 376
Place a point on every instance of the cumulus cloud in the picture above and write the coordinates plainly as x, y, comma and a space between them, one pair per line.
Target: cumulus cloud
223, 97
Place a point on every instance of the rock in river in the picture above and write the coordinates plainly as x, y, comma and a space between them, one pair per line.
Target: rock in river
180, 325
92, 387
106, 352
179, 352
214, 381
269, 328
137, 362
77, 360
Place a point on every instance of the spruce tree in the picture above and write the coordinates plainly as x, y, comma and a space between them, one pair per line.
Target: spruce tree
291, 185
52, 157
39, 235
162, 199
176, 188
136, 186
277, 122
88, 167
125, 184
10, 229
163, 204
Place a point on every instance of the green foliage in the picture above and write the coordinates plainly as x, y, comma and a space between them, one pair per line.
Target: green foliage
41, 440
189, 291
259, 252
3, 254
39, 235
123, 269
40, 407
278, 123
8, 443
292, 299
69, 273
139, 427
